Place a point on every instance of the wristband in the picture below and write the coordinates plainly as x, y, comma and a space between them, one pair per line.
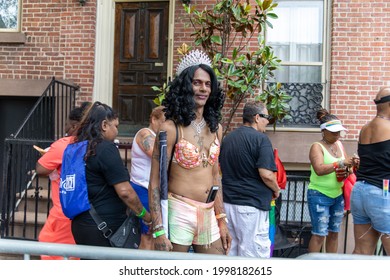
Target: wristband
142, 214
220, 216
335, 165
156, 227
158, 233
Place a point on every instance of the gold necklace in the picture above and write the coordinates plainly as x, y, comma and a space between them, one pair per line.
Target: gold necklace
331, 147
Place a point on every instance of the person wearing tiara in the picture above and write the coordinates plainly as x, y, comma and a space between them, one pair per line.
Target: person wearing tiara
192, 110
330, 165
370, 199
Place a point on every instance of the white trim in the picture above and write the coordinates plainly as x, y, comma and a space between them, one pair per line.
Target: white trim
104, 49
104, 52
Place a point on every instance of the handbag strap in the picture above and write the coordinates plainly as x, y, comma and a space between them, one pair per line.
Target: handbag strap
101, 225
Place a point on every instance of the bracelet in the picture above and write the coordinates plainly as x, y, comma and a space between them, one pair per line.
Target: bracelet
158, 233
148, 224
220, 216
156, 227
335, 165
142, 214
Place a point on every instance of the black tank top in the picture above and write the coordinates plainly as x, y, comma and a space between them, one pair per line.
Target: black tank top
374, 162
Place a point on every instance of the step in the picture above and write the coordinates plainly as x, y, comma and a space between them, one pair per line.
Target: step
33, 203
29, 229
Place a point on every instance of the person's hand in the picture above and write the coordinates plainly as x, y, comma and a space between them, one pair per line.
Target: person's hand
348, 161
355, 161
225, 235
162, 243
276, 194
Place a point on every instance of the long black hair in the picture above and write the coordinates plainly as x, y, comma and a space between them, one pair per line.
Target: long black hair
179, 101
91, 125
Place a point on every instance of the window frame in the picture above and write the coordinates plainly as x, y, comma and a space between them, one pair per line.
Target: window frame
18, 23
325, 64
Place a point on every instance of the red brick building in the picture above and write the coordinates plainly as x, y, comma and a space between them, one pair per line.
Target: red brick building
116, 50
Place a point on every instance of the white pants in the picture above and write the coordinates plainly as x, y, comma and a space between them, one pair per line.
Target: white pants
249, 228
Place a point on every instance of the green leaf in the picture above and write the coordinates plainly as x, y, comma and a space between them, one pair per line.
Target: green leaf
272, 15
269, 24
266, 4
216, 39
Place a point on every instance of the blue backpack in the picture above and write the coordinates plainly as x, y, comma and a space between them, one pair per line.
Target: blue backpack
73, 187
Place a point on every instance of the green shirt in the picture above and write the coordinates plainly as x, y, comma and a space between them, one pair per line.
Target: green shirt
327, 184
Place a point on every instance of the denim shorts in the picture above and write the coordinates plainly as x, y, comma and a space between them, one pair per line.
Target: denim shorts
326, 213
369, 206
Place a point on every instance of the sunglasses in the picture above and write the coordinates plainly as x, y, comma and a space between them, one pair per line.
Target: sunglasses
268, 117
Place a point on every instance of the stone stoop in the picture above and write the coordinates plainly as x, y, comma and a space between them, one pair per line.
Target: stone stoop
30, 216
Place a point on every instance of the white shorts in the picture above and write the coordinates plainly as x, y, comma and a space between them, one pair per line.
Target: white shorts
249, 228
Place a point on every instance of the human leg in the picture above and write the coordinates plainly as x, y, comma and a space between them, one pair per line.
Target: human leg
371, 217
214, 248
336, 214
366, 239
318, 205
230, 214
180, 248
386, 243
315, 243
251, 231
56, 230
332, 241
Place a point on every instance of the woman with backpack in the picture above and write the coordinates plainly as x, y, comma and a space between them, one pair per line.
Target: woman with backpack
109, 189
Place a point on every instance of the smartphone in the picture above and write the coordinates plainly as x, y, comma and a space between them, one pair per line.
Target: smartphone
212, 194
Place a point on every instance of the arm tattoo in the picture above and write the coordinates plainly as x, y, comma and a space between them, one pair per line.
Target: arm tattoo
148, 142
155, 207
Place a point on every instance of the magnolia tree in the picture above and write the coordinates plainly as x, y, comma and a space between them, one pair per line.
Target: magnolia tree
232, 33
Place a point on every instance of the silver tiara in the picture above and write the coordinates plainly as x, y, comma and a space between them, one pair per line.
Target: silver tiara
194, 57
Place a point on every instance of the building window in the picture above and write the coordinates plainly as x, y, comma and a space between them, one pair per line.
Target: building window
10, 15
298, 38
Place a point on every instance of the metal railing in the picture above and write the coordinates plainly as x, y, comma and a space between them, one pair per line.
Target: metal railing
31, 248
20, 190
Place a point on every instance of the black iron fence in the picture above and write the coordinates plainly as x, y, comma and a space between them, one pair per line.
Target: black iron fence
20, 189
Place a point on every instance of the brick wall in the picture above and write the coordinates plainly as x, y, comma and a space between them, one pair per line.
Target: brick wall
60, 38
60, 42
360, 55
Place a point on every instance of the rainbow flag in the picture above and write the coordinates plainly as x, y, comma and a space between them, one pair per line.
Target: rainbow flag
272, 226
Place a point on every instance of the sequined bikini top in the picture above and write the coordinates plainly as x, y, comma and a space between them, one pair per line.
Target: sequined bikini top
187, 155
